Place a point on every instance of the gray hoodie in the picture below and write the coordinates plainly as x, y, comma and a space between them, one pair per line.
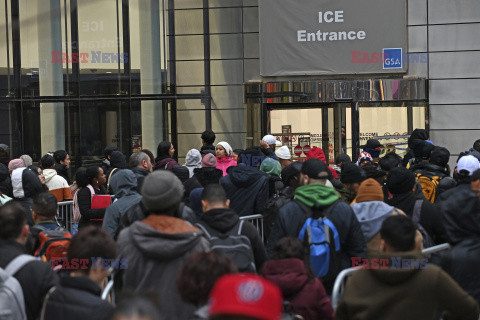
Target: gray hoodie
155, 249
193, 160
371, 215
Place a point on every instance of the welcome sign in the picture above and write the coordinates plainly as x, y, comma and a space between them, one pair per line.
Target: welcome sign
323, 37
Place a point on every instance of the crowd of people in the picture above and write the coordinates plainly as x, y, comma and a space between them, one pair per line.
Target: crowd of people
173, 238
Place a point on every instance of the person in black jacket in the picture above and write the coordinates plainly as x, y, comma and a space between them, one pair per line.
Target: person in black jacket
78, 294
417, 134
95, 178
35, 277
207, 174
208, 138
117, 162
463, 227
218, 216
62, 164
5, 181
316, 195
402, 184
26, 185
247, 187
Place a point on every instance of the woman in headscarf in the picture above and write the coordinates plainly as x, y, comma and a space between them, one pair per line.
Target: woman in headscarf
164, 159
224, 157
193, 160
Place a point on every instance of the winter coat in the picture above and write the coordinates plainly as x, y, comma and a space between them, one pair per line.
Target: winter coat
291, 217
35, 278
90, 216
421, 134
463, 228
270, 153
306, 295
208, 148
318, 153
62, 171
155, 249
431, 170
225, 163
26, 185
124, 183
165, 164
346, 194
77, 298
398, 294
193, 160
140, 174
117, 162
5, 181
201, 178
430, 216
247, 189
225, 220
57, 185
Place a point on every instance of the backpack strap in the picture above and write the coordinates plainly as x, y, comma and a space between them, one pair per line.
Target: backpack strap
417, 210
204, 229
18, 263
45, 301
109, 178
309, 212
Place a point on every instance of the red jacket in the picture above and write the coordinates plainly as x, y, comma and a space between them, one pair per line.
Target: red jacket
318, 153
307, 295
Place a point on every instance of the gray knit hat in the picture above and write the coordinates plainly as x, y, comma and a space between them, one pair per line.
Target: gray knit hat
161, 190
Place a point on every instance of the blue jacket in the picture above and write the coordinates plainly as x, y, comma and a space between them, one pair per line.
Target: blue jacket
124, 184
247, 188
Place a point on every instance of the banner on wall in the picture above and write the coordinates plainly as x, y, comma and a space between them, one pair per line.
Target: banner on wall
323, 37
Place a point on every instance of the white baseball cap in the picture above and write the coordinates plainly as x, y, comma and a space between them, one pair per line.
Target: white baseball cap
271, 140
468, 163
283, 153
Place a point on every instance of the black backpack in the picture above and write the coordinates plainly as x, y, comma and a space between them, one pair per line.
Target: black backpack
272, 207
232, 243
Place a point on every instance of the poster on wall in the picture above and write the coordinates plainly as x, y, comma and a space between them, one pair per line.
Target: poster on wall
325, 37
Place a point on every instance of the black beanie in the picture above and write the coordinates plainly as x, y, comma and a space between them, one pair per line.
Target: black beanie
400, 180
315, 169
352, 173
422, 149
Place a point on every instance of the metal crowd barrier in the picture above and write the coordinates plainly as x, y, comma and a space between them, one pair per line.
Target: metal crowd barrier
65, 214
257, 221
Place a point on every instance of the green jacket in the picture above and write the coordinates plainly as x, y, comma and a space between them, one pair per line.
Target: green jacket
346, 194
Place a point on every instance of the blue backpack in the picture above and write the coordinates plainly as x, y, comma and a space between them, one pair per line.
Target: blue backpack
322, 242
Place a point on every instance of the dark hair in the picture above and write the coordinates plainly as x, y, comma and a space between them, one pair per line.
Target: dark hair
85, 179
34, 169
141, 306
163, 150
149, 154
475, 175
91, 242
80, 175
476, 145
60, 155
108, 151
343, 159
389, 161
208, 136
237, 151
47, 161
12, 219
289, 247
440, 156
399, 233
45, 204
214, 193
291, 174
198, 274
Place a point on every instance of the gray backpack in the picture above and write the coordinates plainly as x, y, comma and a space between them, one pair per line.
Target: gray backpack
233, 244
12, 304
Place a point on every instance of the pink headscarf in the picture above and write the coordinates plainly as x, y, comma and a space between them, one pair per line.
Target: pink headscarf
15, 164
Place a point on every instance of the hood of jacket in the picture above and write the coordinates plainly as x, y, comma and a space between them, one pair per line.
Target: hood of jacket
61, 169
288, 274
420, 134
316, 153
222, 220
398, 269
124, 183
430, 169
4, 173
162, 237
49, 174
371, 215
117, 160
193, 159
245, 176
208, 175
316, 195
404, 202
465, 223
140, 172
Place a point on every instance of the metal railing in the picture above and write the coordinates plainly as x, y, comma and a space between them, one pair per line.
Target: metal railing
257, 221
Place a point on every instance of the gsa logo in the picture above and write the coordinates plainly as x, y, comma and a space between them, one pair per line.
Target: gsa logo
392, 58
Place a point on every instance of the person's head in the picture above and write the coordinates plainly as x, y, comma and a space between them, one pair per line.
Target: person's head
39, 172
314, 171
283, 154
271, 141
193, 158
343, 132
252, 157
223, 150
289, 247
400, 181
92, 242
342, 160
236, 153
246, 297
27, 160
375, 173
397, 234
271, 166
352, 176
93, 175
369, 190
13, 222
475, 182
466, 166
108, 152
214, 197
389, 161
373, 147
165, 149
47, 162
140, 160
476, 145
162, 192
208, 137
150, 155
291, 175
440, 156
80, 175
15, 164
44, 207
207, 266
209, 161
137, 307
62, 157
421, 149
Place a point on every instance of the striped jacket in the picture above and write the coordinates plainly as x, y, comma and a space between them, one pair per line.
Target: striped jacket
57, 185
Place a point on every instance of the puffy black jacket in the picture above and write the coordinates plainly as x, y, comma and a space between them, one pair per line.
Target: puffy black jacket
35, 278
247, 188
90, 216
462, 262
431, 170
430, 216
62, 171
224, 220
201, 178
77, 298
5, 181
